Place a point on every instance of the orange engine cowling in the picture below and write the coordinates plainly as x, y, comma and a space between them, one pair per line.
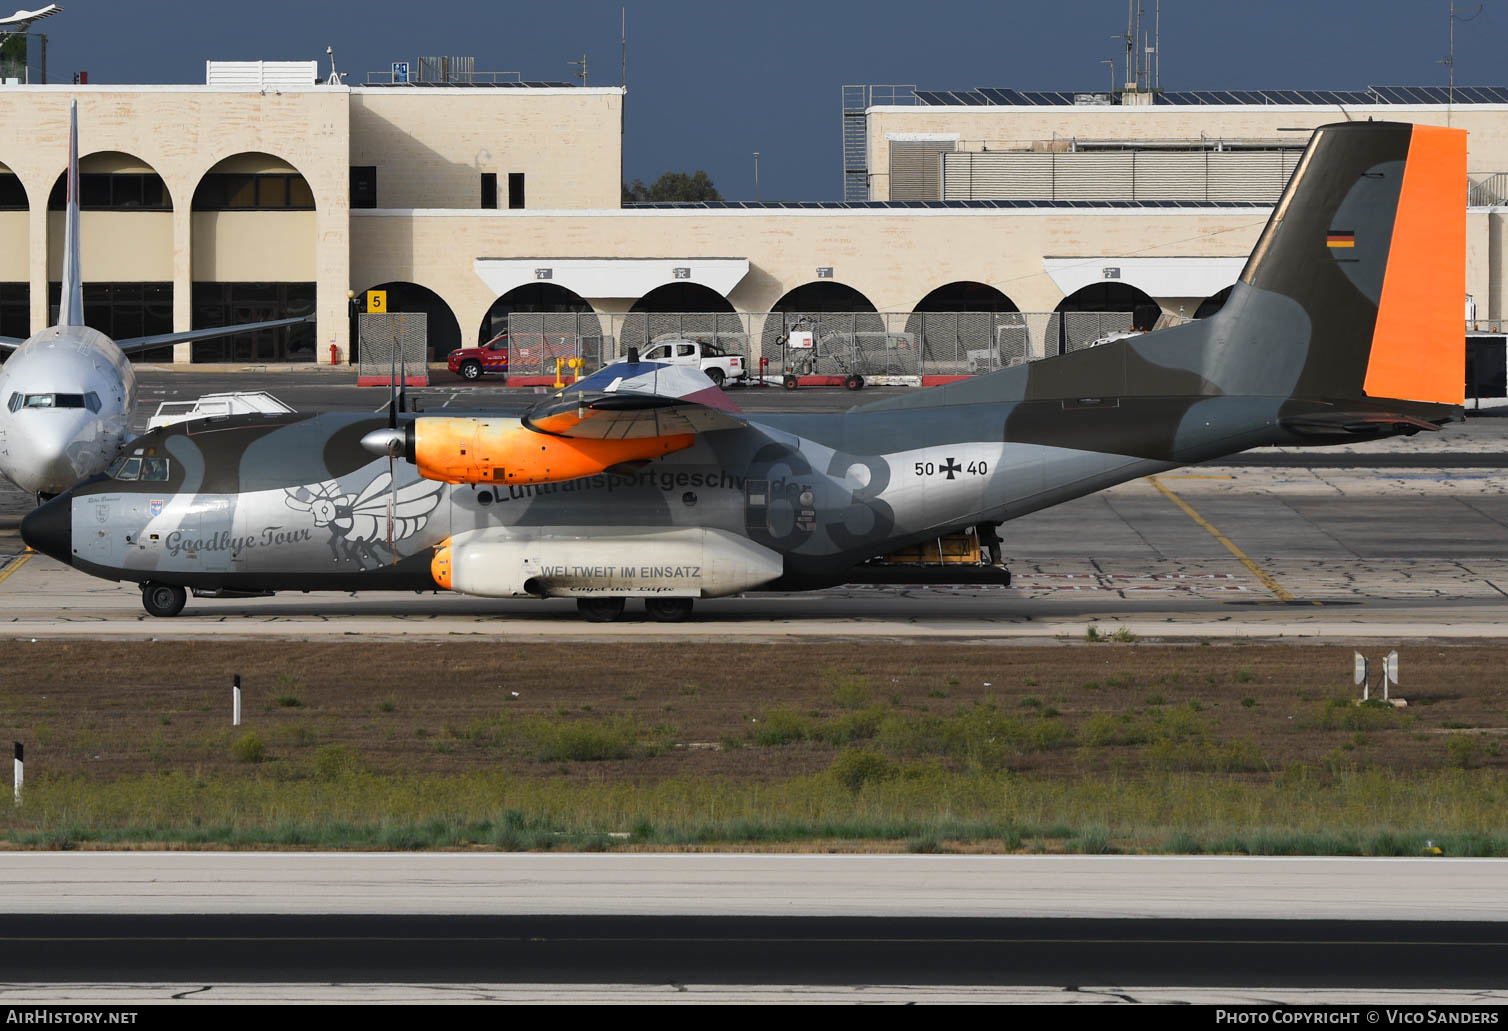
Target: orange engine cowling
459, 450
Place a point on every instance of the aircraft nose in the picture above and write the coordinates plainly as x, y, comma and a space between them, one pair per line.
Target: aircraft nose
49, 529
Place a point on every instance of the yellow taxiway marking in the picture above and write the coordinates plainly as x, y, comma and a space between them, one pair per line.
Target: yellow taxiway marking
1256, 570
15, 564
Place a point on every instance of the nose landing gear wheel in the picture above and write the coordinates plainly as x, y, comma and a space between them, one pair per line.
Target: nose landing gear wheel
600, 610
162, 599
668, 610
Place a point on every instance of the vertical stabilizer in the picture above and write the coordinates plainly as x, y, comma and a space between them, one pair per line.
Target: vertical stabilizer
71, 308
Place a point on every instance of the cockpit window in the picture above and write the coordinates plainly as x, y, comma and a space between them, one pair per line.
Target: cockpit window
126, 469
91, 401
136, 467
55, 401
15, 401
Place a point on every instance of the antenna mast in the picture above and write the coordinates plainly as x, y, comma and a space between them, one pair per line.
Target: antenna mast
582, 63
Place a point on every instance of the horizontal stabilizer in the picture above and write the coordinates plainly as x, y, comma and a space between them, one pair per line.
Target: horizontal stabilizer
1334, 425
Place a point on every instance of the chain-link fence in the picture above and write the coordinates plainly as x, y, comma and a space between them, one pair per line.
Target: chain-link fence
866, 343
537, 339
397, 340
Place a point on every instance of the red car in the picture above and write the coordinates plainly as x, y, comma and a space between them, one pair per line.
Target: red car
472, 362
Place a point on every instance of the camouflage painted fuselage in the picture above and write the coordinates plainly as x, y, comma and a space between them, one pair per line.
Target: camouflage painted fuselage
257, 503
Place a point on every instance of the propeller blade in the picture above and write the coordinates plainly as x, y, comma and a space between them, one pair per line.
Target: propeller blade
392, 390
402, 380
392, 492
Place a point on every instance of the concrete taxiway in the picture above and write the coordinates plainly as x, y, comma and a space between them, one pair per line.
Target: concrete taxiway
216, 927
1430, 890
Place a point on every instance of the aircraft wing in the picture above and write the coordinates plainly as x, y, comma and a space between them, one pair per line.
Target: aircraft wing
161, 339
597, 426
633, 401
597, 415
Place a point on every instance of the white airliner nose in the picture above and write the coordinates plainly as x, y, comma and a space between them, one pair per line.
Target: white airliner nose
45, 451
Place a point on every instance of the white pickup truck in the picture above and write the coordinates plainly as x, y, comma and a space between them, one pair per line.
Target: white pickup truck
718, 365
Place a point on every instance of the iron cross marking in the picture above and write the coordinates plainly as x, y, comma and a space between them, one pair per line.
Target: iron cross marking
951, 468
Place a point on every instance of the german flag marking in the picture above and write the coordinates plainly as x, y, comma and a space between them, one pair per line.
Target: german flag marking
1340, 238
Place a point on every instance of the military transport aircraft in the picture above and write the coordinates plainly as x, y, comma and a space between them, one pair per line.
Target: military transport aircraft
66, 393
1345, 325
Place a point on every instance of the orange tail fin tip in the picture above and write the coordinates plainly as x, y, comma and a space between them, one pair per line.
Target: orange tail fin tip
1417, 354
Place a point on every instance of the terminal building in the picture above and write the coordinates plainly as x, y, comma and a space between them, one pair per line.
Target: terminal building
978, 228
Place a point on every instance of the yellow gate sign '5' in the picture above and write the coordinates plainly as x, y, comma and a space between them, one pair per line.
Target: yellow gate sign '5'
376, 302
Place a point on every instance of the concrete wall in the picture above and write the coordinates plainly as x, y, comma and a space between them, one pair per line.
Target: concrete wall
431, 146
14, 227
1054, 128
180, 132
893, 258
254, 247
114, 247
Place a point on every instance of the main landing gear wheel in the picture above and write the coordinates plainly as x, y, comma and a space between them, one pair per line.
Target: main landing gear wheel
790, 383
668, 610
471, 370
854, 382
162, 599
600, 610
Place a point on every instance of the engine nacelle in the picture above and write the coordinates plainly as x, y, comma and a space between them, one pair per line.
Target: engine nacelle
500, 450
603, 561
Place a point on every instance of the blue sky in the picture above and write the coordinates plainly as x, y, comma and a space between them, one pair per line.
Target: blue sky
711, 82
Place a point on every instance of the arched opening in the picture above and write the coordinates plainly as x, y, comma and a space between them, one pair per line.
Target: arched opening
253, 258
440, 324
967, 328
1213, 303
113, 181
126, 237
1092, 313
15, 276
679, 297
543, 322
847, 334
966, 296
683, 311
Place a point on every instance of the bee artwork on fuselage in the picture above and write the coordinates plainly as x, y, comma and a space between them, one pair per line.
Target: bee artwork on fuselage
644, 481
